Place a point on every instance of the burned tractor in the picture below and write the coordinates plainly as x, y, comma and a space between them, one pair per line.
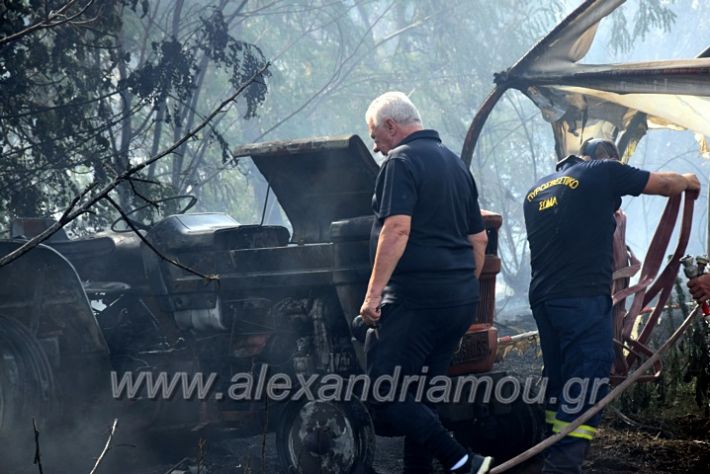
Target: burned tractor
73, 312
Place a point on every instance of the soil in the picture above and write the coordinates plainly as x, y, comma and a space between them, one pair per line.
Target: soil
668, 444
677, 445
680, 446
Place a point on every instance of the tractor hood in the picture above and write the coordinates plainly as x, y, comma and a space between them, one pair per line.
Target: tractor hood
317, 181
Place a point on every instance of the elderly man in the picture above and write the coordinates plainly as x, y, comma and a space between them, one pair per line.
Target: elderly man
569, 217
428, 245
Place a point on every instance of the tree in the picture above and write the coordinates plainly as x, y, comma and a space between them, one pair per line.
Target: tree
84, 100
330, 59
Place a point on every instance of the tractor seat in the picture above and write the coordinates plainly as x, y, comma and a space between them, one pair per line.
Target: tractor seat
213, 231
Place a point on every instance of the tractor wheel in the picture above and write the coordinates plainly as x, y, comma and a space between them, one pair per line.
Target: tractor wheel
521, 429
27, 390
326, 437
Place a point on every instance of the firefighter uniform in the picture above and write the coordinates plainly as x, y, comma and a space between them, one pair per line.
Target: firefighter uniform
569, 217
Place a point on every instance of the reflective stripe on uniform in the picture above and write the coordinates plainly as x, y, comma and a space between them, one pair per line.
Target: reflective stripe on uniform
583, 431
550, 417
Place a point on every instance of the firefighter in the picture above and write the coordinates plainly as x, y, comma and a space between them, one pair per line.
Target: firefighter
428, 243
569, 217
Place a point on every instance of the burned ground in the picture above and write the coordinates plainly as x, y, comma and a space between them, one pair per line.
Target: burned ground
665, 445
668, 439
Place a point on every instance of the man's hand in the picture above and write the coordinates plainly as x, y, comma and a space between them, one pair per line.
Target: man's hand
479, 242
693, 188
700, 287
693, 182
370, 310
671, 184
390, 247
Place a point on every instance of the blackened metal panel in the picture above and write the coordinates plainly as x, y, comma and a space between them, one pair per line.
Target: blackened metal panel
317, 181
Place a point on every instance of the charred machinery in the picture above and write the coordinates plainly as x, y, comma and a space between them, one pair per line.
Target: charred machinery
277, 300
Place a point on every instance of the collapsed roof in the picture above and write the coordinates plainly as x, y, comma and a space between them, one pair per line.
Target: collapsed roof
616, 101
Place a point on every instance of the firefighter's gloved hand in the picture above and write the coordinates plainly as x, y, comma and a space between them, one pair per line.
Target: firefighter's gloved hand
700, 287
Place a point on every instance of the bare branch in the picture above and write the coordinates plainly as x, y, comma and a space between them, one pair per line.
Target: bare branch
140, 195
153, 248
48, 21
201, 455
264, 432
332, 79
106, 446
138, 179
76, 200
176, 465
71, 215
38, 458
40, 109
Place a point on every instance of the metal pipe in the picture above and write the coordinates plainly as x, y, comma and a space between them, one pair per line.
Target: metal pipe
508, 340
474, 130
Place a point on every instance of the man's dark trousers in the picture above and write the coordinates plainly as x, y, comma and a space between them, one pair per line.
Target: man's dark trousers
577, 349
413, 338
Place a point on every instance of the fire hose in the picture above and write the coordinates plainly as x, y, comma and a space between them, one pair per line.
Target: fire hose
611, 396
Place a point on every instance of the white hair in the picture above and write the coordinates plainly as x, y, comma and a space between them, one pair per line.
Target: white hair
394, 105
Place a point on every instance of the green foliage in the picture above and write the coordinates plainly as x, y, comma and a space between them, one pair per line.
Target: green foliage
698, 367
172, 73
173, 70
49, 115
646, 16
82, 101
79, 103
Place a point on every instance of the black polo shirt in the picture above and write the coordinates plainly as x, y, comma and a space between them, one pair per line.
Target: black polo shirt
424, 179
569, 216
